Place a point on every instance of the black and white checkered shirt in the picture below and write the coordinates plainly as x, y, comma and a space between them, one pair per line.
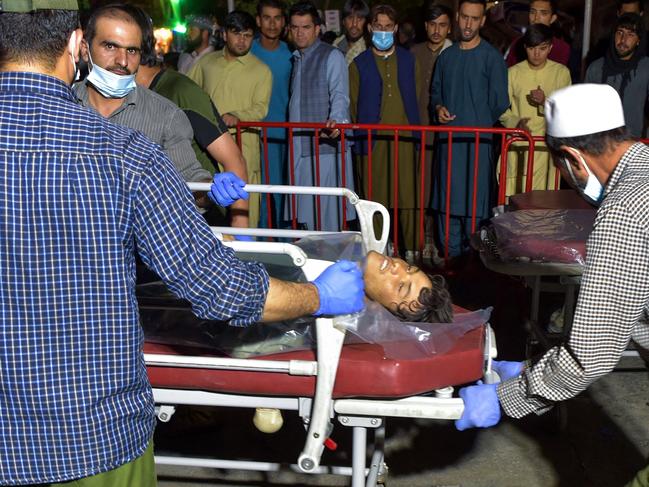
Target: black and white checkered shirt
613, 300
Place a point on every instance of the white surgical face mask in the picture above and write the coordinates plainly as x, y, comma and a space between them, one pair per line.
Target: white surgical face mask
109, 84
593, 190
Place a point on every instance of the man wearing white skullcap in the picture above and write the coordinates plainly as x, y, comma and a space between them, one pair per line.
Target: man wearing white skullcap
588, 139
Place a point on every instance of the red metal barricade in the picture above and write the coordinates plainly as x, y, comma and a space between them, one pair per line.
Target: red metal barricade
367, 132
502, 197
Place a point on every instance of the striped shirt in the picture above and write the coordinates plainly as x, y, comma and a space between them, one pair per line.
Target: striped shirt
162, 122
78, 197
613, 300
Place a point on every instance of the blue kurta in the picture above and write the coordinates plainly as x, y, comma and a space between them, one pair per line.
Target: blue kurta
280, 63
472, 85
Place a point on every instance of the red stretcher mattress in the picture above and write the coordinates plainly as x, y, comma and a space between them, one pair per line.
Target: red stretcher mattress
363, 371
557, 236
561, 199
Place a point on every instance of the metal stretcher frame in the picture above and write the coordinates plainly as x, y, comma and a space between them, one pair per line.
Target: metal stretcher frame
540, 277
567, 280
316, 411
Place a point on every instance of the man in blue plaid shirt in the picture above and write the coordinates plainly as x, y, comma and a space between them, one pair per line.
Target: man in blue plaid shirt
79, 197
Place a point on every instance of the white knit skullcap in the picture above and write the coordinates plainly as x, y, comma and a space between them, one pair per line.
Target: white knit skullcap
582, 110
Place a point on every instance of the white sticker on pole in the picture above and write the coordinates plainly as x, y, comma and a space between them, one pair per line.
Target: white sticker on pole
332, 20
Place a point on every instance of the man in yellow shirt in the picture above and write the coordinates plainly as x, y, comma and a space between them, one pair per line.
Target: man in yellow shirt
239, 85
530, 82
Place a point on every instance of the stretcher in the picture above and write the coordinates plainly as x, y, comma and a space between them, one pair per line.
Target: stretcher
541, 239
559, 199
354, 384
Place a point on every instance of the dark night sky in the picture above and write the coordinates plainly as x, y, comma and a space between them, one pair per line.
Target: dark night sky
603, 10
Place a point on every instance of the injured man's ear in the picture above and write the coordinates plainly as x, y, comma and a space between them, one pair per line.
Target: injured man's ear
406, 291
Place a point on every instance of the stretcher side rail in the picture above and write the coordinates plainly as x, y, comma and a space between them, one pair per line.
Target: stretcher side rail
364, 209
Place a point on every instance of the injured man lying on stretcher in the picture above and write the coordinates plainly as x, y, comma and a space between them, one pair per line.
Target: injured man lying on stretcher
391, 284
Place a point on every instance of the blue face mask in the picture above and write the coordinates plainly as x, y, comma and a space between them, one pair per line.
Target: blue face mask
109, 84
382, 40
593, 190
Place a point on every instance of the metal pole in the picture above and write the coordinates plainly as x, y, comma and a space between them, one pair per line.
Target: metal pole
588, 19
230, 5
359, 452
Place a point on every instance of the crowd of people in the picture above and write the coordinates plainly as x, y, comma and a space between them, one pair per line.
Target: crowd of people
94, 174
93, 185
375, 73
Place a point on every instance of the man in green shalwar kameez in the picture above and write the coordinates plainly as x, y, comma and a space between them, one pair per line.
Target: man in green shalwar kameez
387, 75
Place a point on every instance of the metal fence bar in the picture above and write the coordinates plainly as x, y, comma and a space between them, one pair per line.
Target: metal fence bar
318, 220
291, 166
449, 174
395, 218
508, 137
268, 196
343, 157
422, 191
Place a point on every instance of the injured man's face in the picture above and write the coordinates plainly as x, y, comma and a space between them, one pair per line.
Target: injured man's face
406, 291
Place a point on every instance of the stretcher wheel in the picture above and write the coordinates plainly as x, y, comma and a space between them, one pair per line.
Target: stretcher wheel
382, 478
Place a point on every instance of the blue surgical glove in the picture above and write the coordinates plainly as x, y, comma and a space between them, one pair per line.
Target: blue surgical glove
244, 238
341, 289
481, 407
227, 188
507, 370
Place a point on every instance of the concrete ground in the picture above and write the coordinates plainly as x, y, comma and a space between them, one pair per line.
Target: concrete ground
600, 438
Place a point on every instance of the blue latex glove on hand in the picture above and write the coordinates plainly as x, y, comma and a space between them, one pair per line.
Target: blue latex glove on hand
227, 188
507, 370
244, 238
341, 289
481, 407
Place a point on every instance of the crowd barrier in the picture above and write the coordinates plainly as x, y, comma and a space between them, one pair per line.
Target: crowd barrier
350, 134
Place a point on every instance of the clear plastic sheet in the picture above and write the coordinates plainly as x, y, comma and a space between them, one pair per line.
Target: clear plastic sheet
403, 340
168, 320
333, 247
540, 235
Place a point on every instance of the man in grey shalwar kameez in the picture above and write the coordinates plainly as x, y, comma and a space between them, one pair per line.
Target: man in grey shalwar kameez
319, 93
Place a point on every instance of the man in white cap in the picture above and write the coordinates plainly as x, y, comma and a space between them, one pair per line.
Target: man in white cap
593, 151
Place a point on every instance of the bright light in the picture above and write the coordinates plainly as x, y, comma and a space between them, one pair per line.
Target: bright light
163, 38
180, 28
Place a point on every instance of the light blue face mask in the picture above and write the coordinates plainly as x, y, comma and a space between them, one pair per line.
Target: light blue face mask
382, 40
593, 190
109, 84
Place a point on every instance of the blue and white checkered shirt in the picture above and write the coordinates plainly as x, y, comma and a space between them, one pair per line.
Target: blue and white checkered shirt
78, 196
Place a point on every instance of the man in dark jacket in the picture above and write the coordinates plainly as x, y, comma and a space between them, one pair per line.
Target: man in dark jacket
626, 68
